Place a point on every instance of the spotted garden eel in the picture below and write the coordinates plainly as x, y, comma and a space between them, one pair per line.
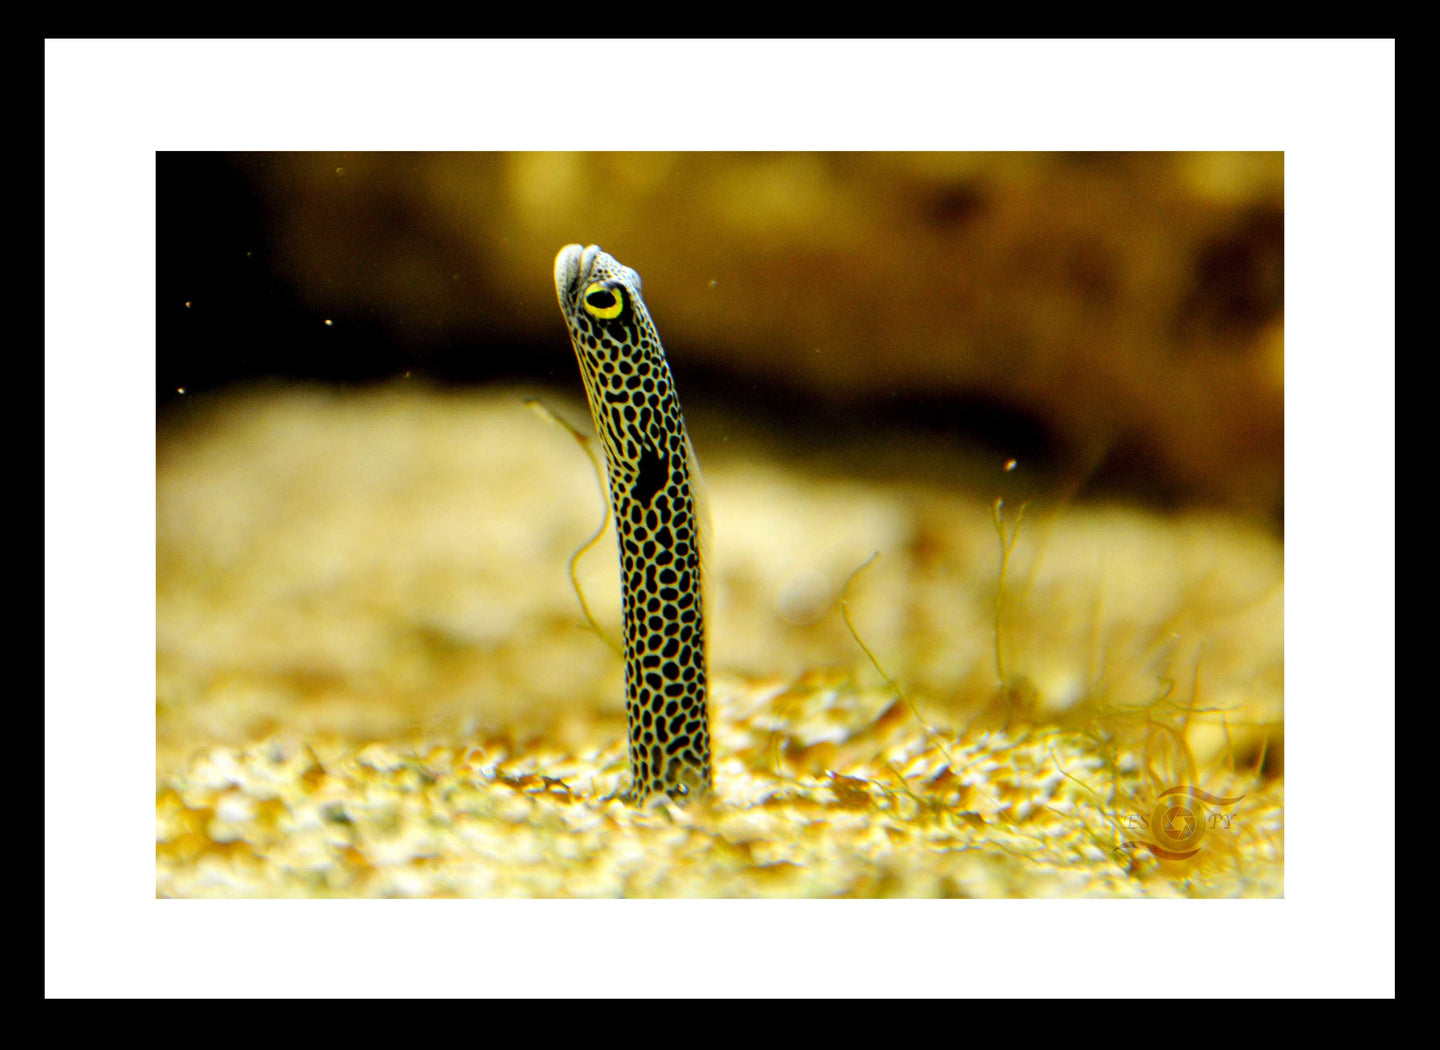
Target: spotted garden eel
660, 519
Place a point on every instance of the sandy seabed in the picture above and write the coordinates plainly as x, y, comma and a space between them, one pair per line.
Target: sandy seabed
374, 677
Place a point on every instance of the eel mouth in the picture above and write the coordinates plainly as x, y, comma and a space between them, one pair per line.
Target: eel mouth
573, 265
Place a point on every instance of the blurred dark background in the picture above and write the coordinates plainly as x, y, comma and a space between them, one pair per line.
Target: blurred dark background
1115, 320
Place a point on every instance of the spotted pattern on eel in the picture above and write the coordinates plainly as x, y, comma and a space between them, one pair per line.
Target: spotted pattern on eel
656, 496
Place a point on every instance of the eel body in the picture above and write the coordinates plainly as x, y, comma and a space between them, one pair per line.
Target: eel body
656, 498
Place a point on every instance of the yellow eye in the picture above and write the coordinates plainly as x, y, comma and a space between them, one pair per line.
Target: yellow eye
603, 302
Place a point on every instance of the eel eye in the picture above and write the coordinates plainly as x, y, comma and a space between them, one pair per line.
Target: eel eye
603, 302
